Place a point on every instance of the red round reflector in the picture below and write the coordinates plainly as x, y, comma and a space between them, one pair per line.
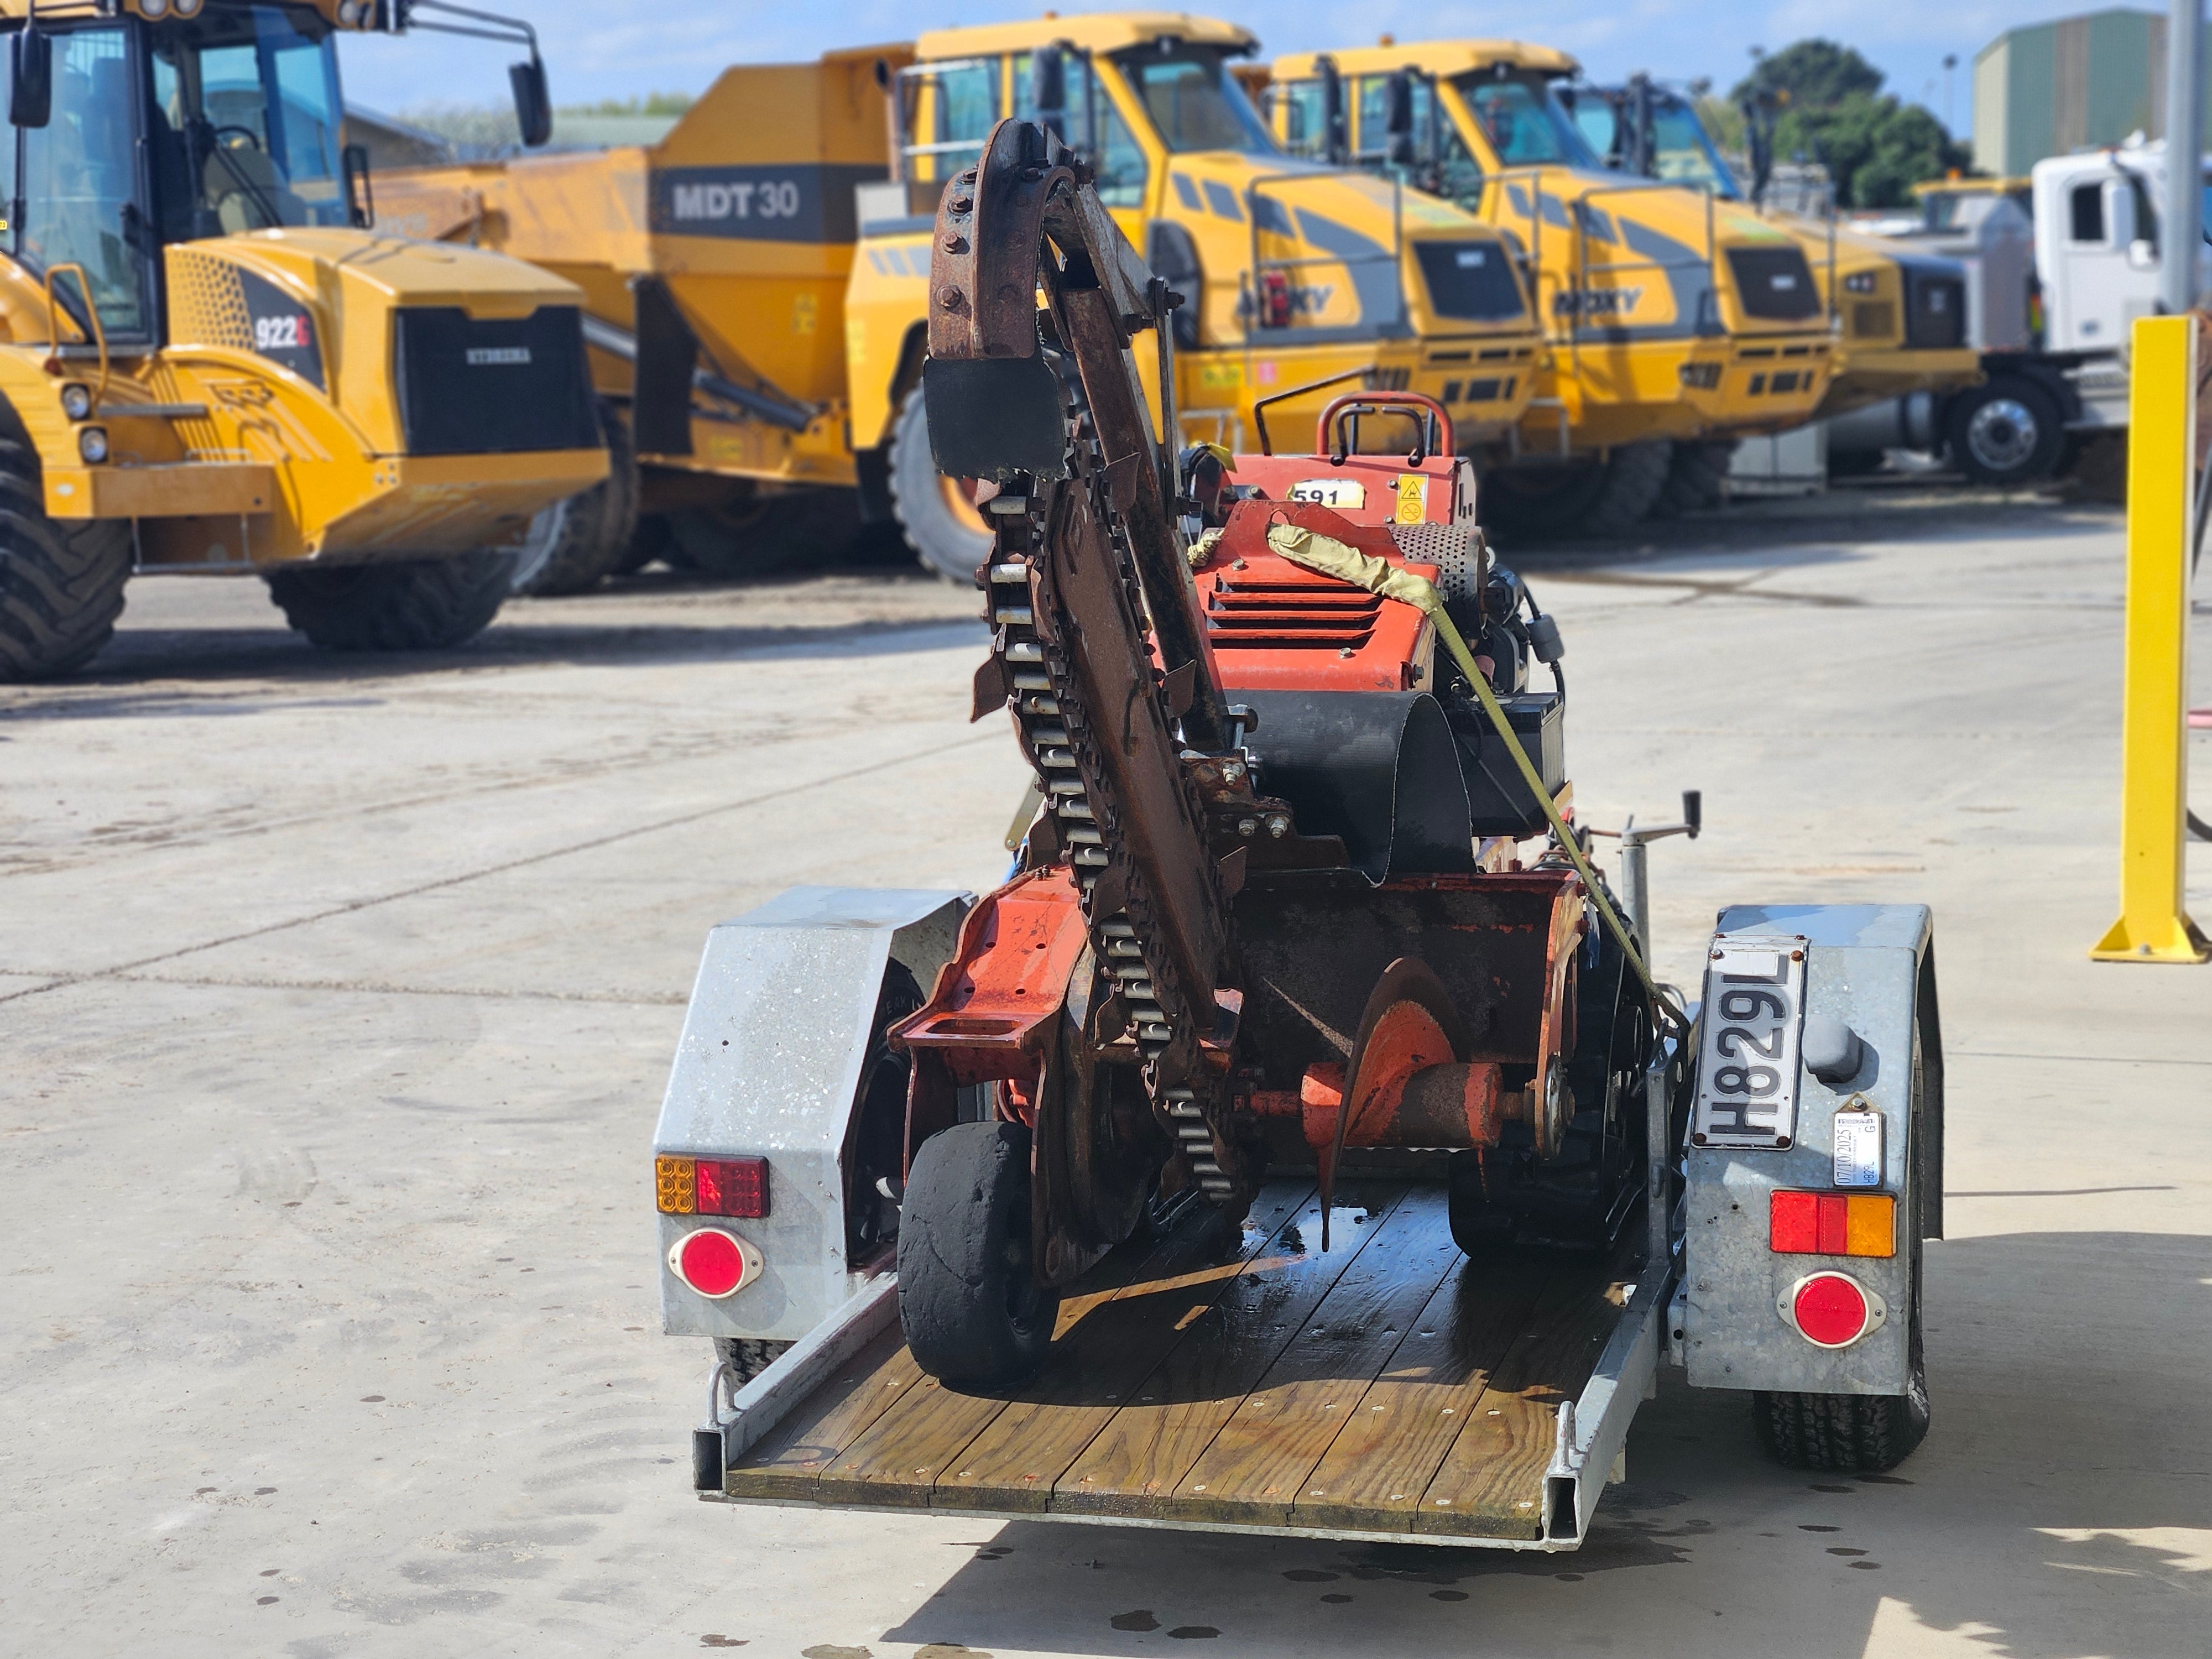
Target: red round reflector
710, 1262
1831, 1309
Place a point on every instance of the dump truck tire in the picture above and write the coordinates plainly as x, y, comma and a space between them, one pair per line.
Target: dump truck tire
420, 605
762, 534
61, 584
591, 531
1627, 487
947, 540
1695, 476
1594, 502
1864, 1433
968, 1300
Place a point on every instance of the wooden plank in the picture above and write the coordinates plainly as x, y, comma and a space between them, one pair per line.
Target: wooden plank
1142, 1455
1256, 1466
1385, 1455
897, 1460
788, 1463
1012, 1464
1490, 1484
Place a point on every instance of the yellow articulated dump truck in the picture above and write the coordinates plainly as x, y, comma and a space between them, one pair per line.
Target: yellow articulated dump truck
1296, 279
1900, 314
208, 365
1677, 322
714, 266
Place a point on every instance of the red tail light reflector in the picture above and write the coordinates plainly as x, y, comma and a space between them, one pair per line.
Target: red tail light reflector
1831, 1223
1832, 1311
711, 1186
714, 1263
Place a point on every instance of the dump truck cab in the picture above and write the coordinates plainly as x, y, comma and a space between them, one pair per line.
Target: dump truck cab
1900, 314
208, 365
1672, 316
1294, 274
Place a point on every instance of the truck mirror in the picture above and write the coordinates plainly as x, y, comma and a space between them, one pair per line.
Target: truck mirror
533, 104
31, 99
1334, 141
1398, 101
1048, 88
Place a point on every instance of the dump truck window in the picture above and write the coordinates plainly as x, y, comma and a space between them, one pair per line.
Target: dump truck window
1120, 159
247, 129
1194, 101
1685, 155
77, 177
1456, 175
1305, 119
950, 110
1525, 126
1092, 125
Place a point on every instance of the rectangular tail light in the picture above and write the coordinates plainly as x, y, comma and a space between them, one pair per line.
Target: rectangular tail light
711, 1186
1831, 1223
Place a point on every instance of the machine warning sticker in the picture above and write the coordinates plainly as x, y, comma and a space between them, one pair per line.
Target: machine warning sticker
1412, 498
800, 201
1330, 492
285, 329
1747, 1062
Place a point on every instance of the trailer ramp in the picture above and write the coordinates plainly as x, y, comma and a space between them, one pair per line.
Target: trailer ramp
1381, 1387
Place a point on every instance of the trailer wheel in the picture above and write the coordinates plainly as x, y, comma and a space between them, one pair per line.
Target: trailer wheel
61, 583
2006, 433
942, 525
1695, 476
426, 604
1865, 1433
577, 543
968, 1297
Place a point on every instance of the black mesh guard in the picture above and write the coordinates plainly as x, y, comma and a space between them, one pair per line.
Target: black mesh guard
491, 386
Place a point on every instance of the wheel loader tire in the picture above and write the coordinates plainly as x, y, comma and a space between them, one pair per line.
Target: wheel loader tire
968, 1300
426, 604
592, 531
947, 536
1696, 473
61, 584
758, 535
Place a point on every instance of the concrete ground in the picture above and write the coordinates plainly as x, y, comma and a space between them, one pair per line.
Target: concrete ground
337, 998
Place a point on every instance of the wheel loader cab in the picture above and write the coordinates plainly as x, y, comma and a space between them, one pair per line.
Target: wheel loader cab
209, 366
1900, 314
1291, 275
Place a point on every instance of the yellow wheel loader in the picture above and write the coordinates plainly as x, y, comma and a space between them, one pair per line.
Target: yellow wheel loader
208, 364
1297, 283
1900, 314
1677, 322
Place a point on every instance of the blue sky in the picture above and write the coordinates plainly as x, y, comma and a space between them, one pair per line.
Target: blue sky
594, 50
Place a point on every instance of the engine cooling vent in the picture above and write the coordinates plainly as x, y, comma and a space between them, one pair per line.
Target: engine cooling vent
1289, 609
1456, 550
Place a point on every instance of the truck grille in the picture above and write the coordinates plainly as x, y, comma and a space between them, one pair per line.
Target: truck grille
1470, 281
1774, 284
1873, 319
1935, 309
492, 385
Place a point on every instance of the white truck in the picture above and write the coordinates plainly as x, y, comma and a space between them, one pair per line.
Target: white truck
2050, 299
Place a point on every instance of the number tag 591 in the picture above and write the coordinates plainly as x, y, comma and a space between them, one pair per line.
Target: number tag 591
1748, 1066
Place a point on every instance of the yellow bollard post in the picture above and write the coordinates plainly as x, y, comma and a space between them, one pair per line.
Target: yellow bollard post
2154, 734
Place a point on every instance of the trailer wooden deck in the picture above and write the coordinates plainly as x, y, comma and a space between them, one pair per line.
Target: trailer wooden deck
1384, 1387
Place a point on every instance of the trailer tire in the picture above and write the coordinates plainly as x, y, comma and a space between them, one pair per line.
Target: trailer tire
1695, 477
969, 1302
947, 540
1866, 1433
589, 533
427, 604
61, 584
2006, 433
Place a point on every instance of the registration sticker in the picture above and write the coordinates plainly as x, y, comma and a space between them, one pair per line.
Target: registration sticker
1747, 1063
1330, 492
1858, 1144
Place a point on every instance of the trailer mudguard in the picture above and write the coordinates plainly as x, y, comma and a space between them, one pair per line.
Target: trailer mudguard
769, 1064
1869, 969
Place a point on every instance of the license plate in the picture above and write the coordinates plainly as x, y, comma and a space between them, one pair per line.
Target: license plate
1748, 1067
